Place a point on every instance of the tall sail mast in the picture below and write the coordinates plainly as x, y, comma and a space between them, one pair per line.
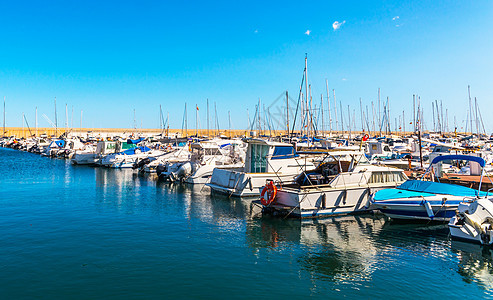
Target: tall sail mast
322, 110
328, 102
287, 112
207, 117
335, 107
3, 134
361, 115
36, 120
306, 87
56, 121
470, 106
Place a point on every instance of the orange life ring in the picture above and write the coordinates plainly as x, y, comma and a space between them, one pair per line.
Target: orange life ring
271, 191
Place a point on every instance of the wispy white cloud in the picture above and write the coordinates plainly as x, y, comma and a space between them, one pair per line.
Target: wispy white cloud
256, 31
344, 79
395, 18
308, 32
336, 25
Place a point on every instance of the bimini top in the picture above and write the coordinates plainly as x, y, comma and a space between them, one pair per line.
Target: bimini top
419, 188
479, 160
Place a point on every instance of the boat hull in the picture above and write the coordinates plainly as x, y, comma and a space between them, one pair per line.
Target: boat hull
422, 209
240, 184
321, 202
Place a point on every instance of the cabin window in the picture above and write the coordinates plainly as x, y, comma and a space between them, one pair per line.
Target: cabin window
258, 157
281, 152
385, 177
126, 146
110, 146
212, 151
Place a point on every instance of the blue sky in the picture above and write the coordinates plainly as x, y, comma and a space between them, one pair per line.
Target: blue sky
109, 58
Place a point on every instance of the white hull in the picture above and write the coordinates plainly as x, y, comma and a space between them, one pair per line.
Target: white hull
473, 222
240, 184
464, 232
323, 201
85, 159
204, 173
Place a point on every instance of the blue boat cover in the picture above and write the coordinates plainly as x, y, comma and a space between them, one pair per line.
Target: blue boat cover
418, 188
60, 143
479, 160
130, 141
389, 194
132, 151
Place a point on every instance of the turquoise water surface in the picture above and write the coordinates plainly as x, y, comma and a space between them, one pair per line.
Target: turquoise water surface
73, 232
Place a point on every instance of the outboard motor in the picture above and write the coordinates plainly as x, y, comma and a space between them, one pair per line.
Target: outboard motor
160, 169
140, 163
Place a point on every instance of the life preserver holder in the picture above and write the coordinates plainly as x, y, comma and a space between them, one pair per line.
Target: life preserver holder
268, 194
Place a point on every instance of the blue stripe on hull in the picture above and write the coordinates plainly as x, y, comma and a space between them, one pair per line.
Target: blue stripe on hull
447, 214
410, 202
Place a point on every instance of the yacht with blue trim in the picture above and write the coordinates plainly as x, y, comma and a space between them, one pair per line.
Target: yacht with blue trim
427, 200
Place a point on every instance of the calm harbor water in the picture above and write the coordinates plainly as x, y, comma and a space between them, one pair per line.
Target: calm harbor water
92, 233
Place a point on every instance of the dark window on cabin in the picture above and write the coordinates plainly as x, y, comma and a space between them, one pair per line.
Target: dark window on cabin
281, 152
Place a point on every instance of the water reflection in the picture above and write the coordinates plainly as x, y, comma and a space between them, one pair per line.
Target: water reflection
475, 263
335, 249
345, 250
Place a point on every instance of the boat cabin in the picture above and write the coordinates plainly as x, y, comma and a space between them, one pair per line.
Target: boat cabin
266, 156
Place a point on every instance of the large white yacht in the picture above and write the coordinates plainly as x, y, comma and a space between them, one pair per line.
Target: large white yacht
342, 184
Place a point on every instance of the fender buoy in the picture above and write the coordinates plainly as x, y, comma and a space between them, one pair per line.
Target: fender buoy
268, 194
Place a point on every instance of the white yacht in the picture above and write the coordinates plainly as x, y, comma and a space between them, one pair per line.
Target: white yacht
342, 184
128, 158
206, 156
265, 160
92, 155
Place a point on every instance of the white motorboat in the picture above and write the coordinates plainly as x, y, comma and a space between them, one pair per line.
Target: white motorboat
205, 157
265, 160
128, 158
92, 155
341, 185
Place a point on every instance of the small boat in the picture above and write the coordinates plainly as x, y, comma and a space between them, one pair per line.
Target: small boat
473, 222
426, 200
